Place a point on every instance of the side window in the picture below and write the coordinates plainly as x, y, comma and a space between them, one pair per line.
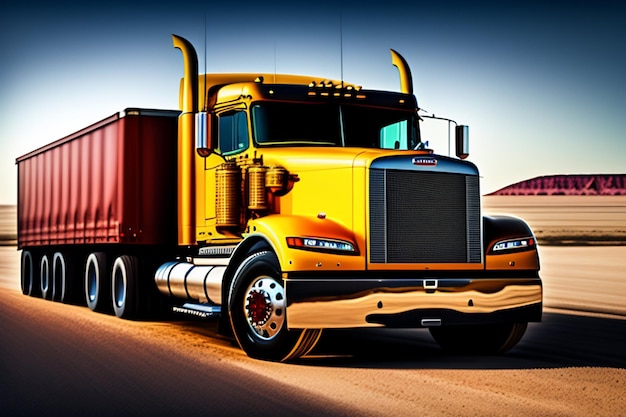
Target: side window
394, 136
233, 132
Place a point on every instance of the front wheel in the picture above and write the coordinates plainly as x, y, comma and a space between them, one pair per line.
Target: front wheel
487, 339
257, 309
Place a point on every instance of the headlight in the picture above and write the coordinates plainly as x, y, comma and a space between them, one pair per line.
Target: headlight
322, 245
514, 245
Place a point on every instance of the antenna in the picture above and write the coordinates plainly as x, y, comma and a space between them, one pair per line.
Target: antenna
274, 61
341, 46
206, 108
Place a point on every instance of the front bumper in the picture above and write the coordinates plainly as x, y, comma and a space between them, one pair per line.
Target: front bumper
410, 302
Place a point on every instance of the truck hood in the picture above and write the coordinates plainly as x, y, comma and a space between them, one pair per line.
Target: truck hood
333, 181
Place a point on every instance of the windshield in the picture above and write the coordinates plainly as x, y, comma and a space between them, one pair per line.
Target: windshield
323, 124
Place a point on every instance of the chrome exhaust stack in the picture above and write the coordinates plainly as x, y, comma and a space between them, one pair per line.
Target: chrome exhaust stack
188, 102
406, 80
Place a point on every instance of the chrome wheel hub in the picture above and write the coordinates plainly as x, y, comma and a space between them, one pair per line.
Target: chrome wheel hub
264, 307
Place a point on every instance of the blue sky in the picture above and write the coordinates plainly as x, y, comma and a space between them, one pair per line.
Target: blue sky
541, 84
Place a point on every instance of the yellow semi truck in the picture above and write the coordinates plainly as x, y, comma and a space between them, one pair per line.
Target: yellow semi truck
284, 205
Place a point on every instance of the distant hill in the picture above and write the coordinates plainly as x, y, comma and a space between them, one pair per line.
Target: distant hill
601, 184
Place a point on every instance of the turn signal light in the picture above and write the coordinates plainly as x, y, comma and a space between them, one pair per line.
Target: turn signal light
514, 245
321, 245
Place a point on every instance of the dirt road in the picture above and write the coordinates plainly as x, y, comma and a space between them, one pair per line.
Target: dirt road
65, 360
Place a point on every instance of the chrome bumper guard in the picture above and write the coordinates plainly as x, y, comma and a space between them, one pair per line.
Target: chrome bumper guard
410, 303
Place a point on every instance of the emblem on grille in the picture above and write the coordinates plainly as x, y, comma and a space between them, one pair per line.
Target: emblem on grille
421, 161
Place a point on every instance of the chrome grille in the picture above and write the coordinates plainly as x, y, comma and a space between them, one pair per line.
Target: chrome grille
424, 217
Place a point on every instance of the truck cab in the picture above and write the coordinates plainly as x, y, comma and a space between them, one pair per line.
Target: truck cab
330, 212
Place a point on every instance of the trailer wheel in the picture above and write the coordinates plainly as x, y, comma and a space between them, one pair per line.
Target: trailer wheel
257, 308
44, 278
479, 340
63, 281
97, 283
27, 273
125, 287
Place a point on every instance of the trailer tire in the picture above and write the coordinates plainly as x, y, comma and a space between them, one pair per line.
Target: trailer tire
63, 280
490, 339
97, 283
27, 274
45, 280
257, 310
125, 287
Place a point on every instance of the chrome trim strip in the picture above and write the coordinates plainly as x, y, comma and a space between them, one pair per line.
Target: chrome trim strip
211, 261
430, 284
385, 224
443, 165
431, 322
199, 310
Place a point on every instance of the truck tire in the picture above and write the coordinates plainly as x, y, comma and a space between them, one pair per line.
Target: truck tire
26, 272
97, 283
63, 280
125, 287
257, 308
488, 339
45, 281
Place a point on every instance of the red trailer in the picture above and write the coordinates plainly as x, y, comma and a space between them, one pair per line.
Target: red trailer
112, 183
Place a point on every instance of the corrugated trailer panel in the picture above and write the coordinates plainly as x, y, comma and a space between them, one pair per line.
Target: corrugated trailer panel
113, 182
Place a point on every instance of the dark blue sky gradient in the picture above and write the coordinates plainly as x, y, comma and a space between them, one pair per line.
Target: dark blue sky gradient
541, 84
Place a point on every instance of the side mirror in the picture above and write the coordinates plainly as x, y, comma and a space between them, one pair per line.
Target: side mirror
203, 130
462, 141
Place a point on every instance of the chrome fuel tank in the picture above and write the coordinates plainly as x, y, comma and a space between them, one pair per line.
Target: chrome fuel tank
191, 281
